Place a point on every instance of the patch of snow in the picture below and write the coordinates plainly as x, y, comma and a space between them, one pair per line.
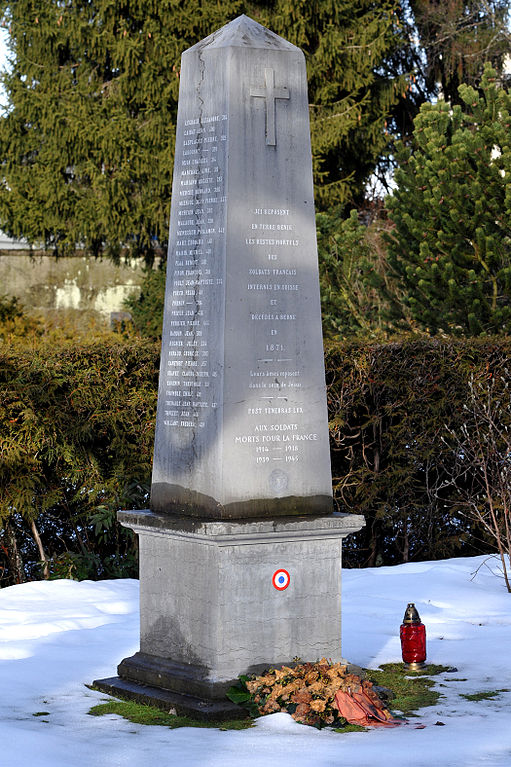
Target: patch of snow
58, 636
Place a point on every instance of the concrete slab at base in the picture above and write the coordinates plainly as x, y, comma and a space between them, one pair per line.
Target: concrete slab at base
171, 702
183, 678
210, 608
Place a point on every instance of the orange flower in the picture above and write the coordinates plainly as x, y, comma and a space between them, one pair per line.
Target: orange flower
302, 697
279, 675
270, 707
276, 691
336, 671
302, 710
293, 687
330, 690
312, 687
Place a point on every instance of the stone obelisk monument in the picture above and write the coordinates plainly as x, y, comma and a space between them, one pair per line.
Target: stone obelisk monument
240, 553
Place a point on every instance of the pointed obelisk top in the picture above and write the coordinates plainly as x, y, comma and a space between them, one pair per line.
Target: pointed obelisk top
244, 32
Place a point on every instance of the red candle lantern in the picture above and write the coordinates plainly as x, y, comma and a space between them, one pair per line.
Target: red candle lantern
413, 639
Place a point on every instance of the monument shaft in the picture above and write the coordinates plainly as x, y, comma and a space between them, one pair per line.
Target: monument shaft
242, 417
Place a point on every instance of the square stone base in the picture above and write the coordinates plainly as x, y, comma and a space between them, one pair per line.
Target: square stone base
171, 702
214, 604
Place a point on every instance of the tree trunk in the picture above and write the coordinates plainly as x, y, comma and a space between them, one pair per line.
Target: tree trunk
13, 555
373, 545
406, 541
40, 547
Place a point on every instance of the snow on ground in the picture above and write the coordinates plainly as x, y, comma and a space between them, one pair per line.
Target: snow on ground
55, 637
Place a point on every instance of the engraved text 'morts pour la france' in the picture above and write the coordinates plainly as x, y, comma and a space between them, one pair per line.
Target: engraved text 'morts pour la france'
242, 419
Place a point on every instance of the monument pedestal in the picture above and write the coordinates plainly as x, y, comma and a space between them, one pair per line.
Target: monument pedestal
214, 604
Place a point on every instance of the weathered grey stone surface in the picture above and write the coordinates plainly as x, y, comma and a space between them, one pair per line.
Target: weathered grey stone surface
242, 418
209, 607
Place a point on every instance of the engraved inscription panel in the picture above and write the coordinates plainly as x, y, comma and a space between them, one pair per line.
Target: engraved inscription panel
196, 280
242, 420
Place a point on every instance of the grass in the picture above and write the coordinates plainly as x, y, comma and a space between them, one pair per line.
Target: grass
411, 692
350, 728
139, 713
489, 695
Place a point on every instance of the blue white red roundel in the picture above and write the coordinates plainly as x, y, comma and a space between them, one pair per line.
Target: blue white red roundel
281, 579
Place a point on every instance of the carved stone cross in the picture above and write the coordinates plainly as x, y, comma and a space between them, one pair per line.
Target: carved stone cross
270, 93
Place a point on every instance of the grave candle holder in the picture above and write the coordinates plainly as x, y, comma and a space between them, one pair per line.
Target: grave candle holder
413, 639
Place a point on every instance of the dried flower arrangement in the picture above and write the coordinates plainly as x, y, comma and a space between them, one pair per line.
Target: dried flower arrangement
318, 694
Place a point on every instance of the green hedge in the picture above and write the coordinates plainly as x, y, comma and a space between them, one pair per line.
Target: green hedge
76, 441
76, 429
397, 413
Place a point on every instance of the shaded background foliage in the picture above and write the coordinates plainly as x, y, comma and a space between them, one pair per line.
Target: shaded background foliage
437, 259
458, 38
77, 424
395, 410
87, 143
450, 243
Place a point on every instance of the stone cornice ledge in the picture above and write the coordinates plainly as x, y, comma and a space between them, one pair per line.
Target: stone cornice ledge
238, 532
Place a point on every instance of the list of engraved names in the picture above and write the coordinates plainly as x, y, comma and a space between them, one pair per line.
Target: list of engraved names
197, 286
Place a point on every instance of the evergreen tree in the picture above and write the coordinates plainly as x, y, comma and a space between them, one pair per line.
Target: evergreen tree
357, 288
146, 309
451, 245
458, 37
445, 43
87, 143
